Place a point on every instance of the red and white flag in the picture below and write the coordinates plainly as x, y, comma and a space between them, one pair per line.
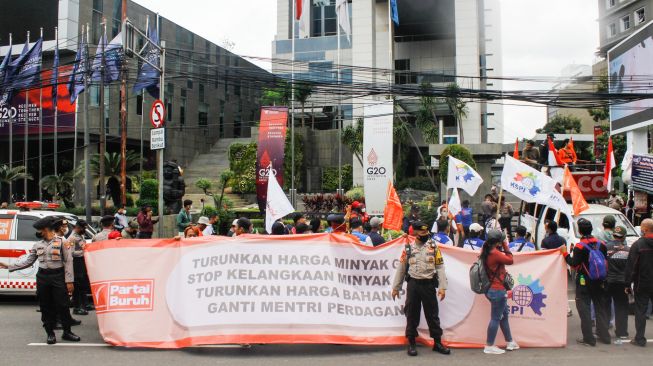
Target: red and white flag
609, 165
303, 15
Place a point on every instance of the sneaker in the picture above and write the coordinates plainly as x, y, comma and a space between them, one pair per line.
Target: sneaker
493, 350
512, 346
569, 313
582, 342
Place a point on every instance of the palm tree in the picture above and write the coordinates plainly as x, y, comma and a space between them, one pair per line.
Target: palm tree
352, 137
8, 175
61, 187
303, 91
112, 170
457, 106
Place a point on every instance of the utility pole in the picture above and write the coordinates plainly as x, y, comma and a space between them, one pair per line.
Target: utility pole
26, 137
159, 153
103, 147
123, 122
88, 201
41, 137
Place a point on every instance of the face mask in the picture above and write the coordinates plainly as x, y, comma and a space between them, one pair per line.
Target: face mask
423, 238
65, 231
363, 210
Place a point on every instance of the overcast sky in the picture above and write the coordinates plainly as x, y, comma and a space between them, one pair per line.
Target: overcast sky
539, 39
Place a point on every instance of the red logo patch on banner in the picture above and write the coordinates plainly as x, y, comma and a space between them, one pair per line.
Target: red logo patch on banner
123, 295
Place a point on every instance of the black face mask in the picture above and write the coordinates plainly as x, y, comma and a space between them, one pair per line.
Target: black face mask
423, 238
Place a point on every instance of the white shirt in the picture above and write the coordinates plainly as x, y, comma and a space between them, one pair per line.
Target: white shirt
208, 230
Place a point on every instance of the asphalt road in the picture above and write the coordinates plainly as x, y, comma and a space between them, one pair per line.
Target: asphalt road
20, 329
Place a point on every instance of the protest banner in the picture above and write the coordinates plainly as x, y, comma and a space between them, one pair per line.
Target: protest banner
318, 288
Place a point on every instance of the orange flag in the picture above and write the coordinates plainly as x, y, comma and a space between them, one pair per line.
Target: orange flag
574, 157
515, 154
393, 212
577, 200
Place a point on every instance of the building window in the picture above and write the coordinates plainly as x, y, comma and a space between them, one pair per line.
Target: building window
221, 118
612, 30
324, 21
203, 114
625, 23
611, 3
139, 104
403, 74
201, 92
640, 16
182, 112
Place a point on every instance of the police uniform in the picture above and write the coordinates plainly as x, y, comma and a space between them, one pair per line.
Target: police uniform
422, 266
55, 271
82, 287
104, 234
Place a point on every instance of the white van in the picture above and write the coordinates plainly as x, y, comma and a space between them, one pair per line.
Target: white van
595, 214
17, 237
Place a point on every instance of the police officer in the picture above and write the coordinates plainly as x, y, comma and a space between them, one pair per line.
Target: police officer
107, 227
422, 267
54, 279
76, 242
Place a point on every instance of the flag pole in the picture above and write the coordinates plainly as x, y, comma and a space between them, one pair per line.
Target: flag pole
123, 122
562, 193
339, 118
26, 138
41, 136
88, 202
56, 122
499, 203
292, 108
140, 166
103, 189
11, 126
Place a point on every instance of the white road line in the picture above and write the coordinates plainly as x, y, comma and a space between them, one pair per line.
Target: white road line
108, 345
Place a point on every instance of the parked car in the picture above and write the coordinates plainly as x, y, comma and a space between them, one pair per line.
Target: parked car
595, 214
17, 236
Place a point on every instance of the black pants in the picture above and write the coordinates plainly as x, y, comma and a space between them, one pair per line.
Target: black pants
642, 299
422, 293
82, 286
616, 294
144, 235
53, 298
506, 224
592, 292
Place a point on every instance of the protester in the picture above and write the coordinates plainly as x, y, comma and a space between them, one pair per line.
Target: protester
302, 228
474, 241
487, 207
131, 231
121, 220
358, 212
617, 261
530, 155
145, 222
492, 222
505, 216
442, 235
297, 218
234, 224
316, 226
243, 226
422, 266
54, 279
278, 228
544, 150
203, 223
552, 240
495, 256
376, 238
639, 273
209, 230
191, 231
521, 244
630, 210
465, 217
413, 215
184, 217
356, 226
615, 201
337, 223
606, 235
587, 258
494, 192
77, 243
107, 227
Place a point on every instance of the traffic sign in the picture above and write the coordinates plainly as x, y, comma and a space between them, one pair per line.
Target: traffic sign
157, 114
157, 138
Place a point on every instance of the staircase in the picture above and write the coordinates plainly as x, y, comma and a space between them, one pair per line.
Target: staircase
210, 166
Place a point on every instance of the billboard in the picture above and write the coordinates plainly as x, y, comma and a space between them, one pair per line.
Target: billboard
19, 16
629, 64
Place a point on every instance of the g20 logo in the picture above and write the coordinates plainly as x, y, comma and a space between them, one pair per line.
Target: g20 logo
265, 172
8, 112
376, 170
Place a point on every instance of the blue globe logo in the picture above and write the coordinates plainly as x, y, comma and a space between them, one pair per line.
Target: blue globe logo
522, 295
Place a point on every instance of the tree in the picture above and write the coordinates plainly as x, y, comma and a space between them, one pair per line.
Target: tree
426, 120
459, 152
457, 106
618, 145
561, 124
352, 137
112, 169
303, 91
61, 187
602, 113
278, 95
8, 176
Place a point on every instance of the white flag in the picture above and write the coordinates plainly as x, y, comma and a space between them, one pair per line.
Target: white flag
525, 182
454, 206
277, 205
305, 20
627, 167
342, 10
557, 201
461, 175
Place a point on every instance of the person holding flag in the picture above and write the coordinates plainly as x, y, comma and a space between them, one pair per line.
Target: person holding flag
567, 155
610, 164
530, 155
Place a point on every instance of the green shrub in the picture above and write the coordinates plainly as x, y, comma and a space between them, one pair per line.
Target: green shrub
356, 193
130, 200
204, 184
242, 162
330, 178
417, 183
154, 203
150, 189
149, 174
459, 152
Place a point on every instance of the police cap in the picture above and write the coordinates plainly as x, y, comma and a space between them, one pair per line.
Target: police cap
44, 223
418, 225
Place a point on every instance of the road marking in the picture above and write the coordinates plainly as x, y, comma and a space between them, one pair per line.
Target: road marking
108, 345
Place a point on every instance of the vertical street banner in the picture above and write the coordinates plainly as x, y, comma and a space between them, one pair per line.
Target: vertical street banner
271, 144
314, 288
377, 155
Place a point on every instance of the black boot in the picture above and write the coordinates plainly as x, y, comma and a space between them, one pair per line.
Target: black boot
440, 348
75, 322
412, 347
68, 335
52, 339
80, 311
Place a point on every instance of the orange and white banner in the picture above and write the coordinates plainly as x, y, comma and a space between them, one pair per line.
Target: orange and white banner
321, 288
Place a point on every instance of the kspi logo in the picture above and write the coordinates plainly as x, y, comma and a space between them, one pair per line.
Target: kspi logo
527, 294
123, 295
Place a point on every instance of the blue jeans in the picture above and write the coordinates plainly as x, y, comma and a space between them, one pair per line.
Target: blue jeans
498, 316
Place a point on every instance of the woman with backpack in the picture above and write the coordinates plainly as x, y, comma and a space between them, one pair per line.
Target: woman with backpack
495, 255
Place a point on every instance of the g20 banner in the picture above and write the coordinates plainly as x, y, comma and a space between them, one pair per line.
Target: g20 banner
377, 155
318, 288
271, 143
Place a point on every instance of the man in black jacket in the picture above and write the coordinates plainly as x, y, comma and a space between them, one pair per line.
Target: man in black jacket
588, 290
639, 272
617, 260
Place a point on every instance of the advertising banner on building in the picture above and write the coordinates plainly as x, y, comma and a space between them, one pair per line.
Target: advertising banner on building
642, 173
271, 144
377, 155
317, 288
15, 111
